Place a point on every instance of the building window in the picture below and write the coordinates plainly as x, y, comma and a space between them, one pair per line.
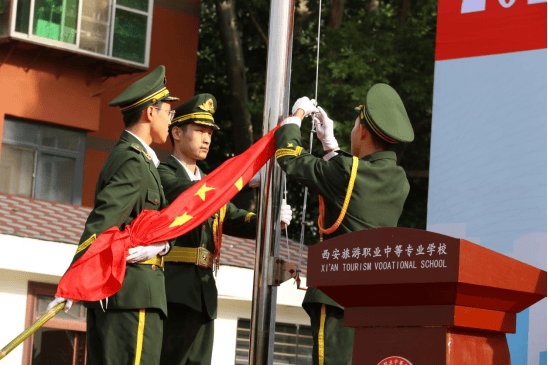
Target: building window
4, 18
114, 29
42, 161
292, 343
62, 340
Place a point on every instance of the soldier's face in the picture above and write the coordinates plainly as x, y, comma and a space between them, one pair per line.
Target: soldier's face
160, 123
195, 141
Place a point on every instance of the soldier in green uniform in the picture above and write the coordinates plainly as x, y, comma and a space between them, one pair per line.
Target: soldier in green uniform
190, 285
127, 327
378, 187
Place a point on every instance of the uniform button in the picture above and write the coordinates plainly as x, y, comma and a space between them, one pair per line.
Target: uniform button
155, 201
153, 267
203, 227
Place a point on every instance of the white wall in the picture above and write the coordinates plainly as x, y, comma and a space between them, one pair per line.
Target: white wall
23, 260
26, 259
13, 306
235, 287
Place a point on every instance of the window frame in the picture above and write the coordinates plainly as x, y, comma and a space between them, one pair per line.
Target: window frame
30, 37
79, 156
297, 335
34, 290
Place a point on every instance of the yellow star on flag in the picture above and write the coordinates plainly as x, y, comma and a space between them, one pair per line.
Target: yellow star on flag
202, 191
179, 221
239, 184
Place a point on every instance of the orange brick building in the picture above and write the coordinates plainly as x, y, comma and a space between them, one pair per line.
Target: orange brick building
56, 85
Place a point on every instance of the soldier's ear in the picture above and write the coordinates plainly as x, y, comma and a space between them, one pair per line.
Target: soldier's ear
176, 133
363, 131
149, 113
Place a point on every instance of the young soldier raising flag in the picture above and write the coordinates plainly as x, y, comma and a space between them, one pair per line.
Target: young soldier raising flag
377, 189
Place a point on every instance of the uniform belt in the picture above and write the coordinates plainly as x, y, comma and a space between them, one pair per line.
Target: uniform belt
156, 260
198, 256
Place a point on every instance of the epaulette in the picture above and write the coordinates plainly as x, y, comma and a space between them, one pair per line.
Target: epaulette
136, 147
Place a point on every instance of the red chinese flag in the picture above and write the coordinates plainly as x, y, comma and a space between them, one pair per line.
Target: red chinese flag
99, 273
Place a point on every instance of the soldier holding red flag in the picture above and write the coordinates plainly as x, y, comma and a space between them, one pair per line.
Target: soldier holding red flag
361, 190
190, 286
127, 327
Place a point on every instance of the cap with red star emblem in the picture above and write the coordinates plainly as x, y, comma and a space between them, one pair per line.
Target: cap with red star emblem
199, 109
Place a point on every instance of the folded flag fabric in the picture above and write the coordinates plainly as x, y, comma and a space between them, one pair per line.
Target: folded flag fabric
100, 272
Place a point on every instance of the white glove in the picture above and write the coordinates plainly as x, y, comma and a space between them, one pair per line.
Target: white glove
324, 130
286, 213
255, 180
143, 253
58, 300
306, 105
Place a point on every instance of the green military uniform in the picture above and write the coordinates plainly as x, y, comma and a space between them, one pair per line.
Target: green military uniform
377, 199
126, 328
190, 289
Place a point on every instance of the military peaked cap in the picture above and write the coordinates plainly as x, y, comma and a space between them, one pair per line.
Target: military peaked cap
145, 92
385, 113
199, 109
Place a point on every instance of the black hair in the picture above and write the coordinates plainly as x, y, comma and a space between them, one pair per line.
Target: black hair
133, 118
182, 127
385, 145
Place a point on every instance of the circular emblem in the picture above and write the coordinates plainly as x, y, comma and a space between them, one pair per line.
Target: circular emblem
395, 360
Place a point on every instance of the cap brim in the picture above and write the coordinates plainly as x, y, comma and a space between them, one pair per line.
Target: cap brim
210, 124
170, 98
201, 122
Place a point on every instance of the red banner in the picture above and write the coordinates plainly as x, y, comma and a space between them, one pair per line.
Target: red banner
100, 272
469, 28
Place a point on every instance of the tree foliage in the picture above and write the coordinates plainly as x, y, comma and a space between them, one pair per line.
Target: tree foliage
394, 45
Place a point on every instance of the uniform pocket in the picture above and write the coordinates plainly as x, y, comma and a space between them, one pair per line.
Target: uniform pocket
152, 200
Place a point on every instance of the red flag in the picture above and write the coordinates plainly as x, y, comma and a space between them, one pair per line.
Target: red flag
99, 273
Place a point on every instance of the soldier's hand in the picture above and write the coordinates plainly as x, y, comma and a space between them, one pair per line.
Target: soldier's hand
286, 214
307, 106
58, 300
143, 253
324, 130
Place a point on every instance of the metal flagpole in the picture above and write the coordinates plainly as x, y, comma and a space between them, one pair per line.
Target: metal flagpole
278, 76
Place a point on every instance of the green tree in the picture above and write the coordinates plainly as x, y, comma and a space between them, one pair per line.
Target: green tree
362, 43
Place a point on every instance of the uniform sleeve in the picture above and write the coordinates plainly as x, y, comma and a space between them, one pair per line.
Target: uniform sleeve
320, 176
239, 222
113, 203
172, 185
